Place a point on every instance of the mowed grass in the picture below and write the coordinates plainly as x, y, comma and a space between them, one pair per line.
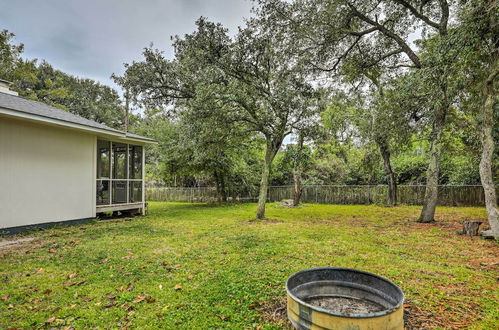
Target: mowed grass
190, 266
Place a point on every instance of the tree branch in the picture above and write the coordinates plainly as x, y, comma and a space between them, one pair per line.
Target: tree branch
418, 14
390, 34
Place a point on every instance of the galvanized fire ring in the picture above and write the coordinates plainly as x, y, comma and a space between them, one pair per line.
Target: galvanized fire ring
357, 284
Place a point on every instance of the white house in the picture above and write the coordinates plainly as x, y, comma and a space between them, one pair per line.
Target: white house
56, 166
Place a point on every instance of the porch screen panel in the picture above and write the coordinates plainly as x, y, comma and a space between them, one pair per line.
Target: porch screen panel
103, 160
135, 162
119, 161
103, 172
135, 191
119, 192
103, 192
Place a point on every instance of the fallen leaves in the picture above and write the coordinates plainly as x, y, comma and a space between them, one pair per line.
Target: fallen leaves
139, 299
106, 260
70, 276
128, 287
177, 287
223, 318
5, 297
54, 319
170, 268
112, 304
76, 283
47, 292
50, 320
128, 256
150, 300
147, 299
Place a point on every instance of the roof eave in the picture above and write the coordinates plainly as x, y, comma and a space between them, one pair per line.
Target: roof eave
57, 122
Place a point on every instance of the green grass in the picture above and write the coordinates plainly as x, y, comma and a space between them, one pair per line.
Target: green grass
232, 271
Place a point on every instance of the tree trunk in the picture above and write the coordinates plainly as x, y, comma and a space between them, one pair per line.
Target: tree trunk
297, 186
471, 228
223, 190
486, 177
392, 181
432, 174
217, 185
270, 152
297, 172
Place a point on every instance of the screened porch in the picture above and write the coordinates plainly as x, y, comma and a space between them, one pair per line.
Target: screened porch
120, 177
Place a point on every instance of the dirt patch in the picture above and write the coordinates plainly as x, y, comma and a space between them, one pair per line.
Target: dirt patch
415, 318
345, 305
444, 317
273, 312
8, 243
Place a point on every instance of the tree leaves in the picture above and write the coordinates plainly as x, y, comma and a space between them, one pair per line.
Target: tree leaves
128, 256
223, 318
139, 299
75, 283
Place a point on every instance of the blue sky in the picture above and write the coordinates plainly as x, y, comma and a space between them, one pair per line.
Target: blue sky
93, 38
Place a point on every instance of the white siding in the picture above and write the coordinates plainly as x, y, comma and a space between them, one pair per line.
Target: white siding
47, 174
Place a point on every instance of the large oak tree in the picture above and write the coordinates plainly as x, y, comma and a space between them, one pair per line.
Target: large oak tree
254, 78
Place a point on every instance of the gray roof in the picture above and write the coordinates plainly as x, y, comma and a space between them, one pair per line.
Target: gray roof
21, 104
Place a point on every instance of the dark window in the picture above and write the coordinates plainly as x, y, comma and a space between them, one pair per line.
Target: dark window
102, 192
135, 191
119, 192
119, 161
135, 161
103, 160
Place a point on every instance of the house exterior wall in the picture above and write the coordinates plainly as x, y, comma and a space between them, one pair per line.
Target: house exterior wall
47, 174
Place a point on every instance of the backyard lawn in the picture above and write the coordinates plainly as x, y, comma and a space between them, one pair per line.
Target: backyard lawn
207, 266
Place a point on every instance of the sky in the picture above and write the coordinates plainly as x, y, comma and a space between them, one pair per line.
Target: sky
93, 38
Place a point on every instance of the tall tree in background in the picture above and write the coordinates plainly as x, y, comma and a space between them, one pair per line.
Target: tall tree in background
9, 54
477, 39
253, 80
332, 29
378, 118
271, 89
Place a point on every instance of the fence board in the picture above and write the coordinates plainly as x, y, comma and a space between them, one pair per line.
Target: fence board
411, 195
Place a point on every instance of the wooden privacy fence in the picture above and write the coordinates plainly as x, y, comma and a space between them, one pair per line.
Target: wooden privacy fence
470, 195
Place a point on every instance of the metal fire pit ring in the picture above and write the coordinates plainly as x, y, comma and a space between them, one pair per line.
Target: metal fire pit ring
343, 283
